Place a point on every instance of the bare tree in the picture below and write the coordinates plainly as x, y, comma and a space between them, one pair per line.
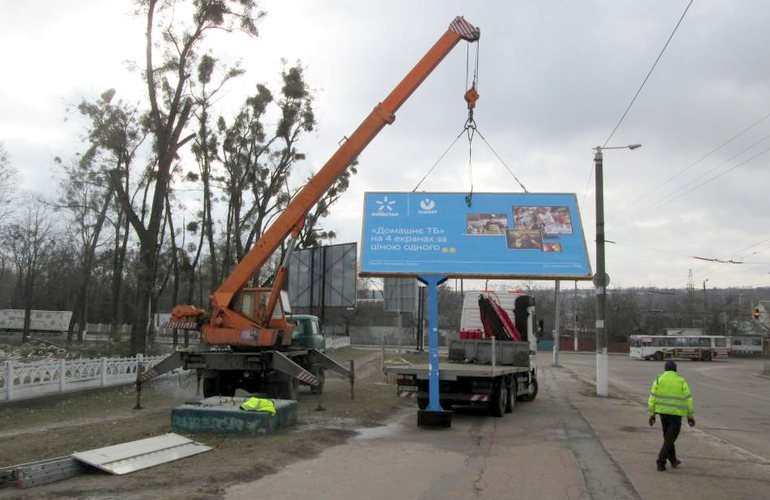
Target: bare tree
171, 108
30, 242
86, 197
7, 185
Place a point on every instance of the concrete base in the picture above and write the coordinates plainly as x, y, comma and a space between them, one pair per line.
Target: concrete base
434, 419
221, 414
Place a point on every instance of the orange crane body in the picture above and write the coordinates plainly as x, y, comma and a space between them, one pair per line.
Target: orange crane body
258, 324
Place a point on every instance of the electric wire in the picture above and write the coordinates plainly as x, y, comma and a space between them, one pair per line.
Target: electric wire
625, 113
652, 207
648, 74
704, 157
697, 186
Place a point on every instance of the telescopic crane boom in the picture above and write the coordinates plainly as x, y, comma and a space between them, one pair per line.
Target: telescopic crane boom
259, 320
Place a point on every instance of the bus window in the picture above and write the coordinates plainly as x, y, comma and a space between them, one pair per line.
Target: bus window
720, 342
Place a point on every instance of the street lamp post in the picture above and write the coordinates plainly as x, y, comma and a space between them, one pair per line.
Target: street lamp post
601, 279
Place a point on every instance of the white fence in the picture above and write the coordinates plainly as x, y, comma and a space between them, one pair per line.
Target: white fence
26, 380
20, 380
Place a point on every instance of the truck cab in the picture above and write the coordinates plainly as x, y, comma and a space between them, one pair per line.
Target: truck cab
308, 333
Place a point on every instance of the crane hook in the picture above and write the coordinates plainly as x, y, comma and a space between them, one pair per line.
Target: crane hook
471, 96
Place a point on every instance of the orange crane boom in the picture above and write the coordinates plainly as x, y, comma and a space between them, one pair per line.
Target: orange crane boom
227, 326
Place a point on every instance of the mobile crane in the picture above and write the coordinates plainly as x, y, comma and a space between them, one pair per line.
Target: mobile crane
246, 334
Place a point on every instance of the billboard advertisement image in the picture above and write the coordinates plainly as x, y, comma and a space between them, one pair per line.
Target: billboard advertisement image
500, 235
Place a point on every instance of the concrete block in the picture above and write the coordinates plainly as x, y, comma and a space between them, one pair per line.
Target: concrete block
222, 414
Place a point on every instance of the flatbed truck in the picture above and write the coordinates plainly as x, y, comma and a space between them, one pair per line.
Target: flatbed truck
489, 372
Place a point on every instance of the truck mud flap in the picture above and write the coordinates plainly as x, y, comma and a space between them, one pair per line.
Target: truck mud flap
285, 365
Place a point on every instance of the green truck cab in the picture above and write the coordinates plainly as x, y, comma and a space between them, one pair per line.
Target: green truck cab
308, 333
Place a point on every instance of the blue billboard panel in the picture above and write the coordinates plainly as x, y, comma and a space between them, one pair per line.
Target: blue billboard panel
528, 235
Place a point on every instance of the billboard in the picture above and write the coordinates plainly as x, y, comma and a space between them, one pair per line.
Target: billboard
497, 235
400, 294
323, 276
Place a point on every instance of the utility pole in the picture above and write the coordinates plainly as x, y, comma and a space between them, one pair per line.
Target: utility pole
601, 279
556, 327
575, 320
704, 306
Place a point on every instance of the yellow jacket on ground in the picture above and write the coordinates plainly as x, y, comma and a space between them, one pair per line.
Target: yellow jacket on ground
259, 404
670, 395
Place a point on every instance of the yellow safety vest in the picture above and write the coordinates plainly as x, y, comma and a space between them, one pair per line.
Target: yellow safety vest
259, 404
670, 395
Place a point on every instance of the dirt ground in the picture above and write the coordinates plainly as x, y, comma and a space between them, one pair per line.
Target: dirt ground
52, 427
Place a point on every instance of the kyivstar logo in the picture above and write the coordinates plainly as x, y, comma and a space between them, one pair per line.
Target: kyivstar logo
385, 208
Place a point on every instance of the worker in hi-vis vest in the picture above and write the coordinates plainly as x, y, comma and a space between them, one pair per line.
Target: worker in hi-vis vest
670, 398
259, 404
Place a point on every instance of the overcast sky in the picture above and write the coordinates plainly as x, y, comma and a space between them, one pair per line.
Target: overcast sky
554, 78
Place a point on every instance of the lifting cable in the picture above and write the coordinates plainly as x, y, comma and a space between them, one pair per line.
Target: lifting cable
471, 96
470, 129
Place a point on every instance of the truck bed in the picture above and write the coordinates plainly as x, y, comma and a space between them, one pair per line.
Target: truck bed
452, 371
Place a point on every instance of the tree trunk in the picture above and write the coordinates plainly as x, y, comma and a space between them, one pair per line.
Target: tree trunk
118, 262
145, 277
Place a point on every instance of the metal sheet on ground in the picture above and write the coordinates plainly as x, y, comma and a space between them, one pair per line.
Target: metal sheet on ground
135, 455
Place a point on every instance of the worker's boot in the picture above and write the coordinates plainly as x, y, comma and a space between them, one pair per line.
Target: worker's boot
675, 463
661, 467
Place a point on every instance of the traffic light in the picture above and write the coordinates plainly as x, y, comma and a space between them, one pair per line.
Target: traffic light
756, 313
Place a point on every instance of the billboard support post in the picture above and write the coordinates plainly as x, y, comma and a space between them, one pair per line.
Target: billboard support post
433, 362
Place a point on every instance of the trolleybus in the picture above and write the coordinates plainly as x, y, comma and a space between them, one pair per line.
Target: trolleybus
696, 347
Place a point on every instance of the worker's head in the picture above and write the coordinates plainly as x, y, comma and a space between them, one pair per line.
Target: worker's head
670, 366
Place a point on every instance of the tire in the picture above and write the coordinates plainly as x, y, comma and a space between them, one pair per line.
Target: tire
319, 372
210, 387
422, 403
706, 356
533, 393
511, 399
221, 384
285, 387
499, 400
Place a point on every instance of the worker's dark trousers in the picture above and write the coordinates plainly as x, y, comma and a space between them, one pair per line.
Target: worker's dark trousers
672, 424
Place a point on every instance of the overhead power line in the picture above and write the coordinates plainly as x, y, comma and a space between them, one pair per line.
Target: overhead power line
648, 75
662, 203
702, 158
591, 171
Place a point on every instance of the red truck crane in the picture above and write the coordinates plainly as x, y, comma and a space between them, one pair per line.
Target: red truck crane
246, 335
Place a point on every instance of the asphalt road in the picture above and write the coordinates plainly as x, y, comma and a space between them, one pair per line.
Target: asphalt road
732, 400
567, 444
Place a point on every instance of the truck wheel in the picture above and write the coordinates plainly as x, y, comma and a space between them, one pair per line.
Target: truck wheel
422, 403
510, 399
210, 387
532, 392
499, 400
218, 385
319, 373
289, 389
